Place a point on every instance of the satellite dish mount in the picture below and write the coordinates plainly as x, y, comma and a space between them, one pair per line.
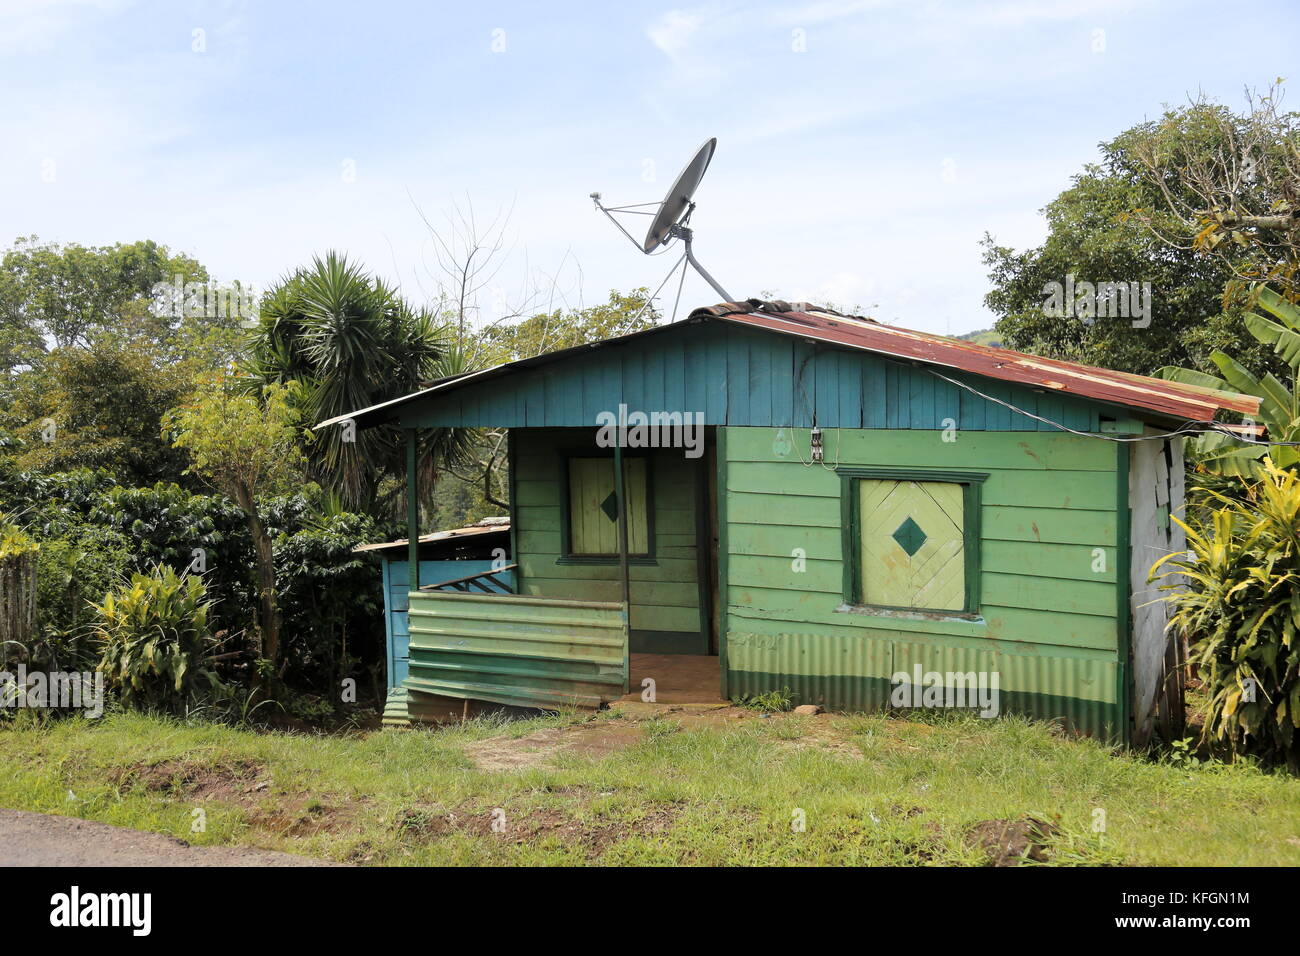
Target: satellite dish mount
670, 220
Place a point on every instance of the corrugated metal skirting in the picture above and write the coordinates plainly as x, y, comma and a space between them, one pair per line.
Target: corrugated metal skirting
854, 675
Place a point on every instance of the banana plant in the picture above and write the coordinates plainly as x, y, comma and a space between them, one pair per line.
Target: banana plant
1279, 408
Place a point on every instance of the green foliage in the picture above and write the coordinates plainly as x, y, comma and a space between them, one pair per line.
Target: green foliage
91, 532
169, 525
98, 407
332, 597
13, 540
1279, 409
1182, 753
243, 444
1241, 614
1109, 226
1227, 184
562, 329
73, 573
345, 341
772, 700
66, 293
155, 644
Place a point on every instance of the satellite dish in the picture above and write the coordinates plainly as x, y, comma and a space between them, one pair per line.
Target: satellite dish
678, 201
670, 218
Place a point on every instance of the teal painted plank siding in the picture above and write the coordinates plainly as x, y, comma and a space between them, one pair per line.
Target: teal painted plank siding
740, 376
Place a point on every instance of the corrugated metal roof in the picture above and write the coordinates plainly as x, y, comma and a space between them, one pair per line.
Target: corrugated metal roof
1119, 388
486, 526
1157, 396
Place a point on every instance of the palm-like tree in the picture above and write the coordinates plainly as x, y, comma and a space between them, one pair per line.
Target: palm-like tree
1279, 410
346, 341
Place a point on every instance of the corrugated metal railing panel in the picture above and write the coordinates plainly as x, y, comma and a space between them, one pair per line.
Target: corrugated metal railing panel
396, 713
517, 650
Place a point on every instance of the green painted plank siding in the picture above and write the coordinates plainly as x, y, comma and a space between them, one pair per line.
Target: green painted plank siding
745, 377
1047, 571
665, 588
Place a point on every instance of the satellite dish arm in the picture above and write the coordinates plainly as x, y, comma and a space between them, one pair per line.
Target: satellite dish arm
685, 234
595, 198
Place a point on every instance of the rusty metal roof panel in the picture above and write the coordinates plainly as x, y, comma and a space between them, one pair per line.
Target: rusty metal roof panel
1171, 399
487, 526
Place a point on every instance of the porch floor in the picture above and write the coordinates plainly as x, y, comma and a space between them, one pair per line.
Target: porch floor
679, 678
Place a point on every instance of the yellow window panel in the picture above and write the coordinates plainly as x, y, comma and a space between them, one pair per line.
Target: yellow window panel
593, 514
913, 545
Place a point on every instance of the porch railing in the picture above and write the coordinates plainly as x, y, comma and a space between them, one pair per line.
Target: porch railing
517, 650
485, 581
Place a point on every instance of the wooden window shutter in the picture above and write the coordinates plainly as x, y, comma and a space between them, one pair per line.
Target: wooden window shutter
912, 544
593, 506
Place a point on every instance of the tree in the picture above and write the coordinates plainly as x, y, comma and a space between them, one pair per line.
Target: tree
1228, 184
1108, 227
342, 341
98, 407
245, 445
562, 329
63, 294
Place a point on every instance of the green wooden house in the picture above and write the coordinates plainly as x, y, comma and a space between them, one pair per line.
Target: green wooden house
817, 502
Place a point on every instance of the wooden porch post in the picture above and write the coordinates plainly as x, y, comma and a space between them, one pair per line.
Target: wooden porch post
620, 493
412, 514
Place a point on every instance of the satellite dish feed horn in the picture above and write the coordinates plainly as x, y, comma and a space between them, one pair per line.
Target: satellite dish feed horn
672, 215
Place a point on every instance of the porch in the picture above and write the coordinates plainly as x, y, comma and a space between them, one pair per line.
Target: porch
610, 561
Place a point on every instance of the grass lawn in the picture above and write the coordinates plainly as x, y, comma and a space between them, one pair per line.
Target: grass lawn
625, 787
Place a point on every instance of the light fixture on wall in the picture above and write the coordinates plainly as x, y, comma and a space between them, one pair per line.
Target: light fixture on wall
816, 444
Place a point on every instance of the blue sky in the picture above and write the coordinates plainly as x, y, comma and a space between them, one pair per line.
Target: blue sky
865, 146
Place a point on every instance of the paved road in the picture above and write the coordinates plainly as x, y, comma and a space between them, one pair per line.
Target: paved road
37, 839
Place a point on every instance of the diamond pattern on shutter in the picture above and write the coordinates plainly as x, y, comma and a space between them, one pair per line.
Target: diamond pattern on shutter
913, 544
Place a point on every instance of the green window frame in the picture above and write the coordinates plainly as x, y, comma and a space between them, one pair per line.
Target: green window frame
908, 537
587, 483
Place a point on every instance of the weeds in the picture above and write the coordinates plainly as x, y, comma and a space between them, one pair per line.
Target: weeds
772, 701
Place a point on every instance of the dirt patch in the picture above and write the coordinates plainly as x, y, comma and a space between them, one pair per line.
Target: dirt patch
592, 836
601, 738
245, 784
237, 781
594, 740
1012, 842
297, 816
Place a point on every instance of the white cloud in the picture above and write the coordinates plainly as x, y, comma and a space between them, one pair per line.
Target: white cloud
672, 32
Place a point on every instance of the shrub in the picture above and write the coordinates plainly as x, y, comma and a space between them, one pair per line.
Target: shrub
1240, 609
74, 572
332, 599
13, 540
156, 646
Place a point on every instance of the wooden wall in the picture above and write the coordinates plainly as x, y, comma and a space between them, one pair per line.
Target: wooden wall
1156, 479
1048, 563
743, 376
665, 589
